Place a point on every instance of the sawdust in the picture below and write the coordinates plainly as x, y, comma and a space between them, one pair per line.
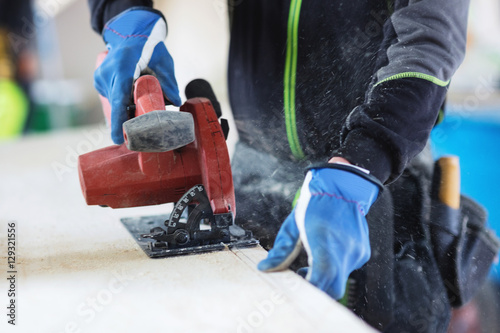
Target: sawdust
69, 259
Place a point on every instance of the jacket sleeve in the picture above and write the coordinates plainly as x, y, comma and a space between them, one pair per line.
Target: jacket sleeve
102, 11
424, 43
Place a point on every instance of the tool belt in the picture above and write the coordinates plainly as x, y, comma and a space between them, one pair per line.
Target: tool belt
436, 255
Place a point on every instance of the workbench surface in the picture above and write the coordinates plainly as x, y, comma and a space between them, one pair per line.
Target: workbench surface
77, 269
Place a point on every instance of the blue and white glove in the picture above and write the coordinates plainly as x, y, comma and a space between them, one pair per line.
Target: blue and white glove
329, 222
135, 42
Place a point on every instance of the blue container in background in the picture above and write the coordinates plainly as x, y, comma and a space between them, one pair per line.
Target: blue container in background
475, 138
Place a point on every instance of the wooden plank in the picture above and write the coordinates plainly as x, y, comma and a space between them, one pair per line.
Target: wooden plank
79, 270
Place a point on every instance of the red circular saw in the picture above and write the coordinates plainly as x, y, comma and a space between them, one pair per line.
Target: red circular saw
168, 156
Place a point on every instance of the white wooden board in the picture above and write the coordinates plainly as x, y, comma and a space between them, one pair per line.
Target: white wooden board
79, 270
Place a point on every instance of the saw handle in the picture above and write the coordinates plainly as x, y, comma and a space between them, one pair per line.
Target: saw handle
154, 129
148, 95
150, 127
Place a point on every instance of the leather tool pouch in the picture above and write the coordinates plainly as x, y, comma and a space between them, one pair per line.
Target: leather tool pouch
464, 247
431, 250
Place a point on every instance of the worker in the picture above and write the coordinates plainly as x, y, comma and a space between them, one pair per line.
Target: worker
348, 91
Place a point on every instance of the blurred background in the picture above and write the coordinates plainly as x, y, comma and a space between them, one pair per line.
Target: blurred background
52, 52
47, 61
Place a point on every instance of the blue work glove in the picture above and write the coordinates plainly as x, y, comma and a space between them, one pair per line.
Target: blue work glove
135, 42
329, 222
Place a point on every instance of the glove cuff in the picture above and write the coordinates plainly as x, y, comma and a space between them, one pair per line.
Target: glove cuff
349, 168
132, 22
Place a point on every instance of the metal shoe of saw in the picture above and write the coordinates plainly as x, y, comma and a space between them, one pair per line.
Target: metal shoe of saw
169, 156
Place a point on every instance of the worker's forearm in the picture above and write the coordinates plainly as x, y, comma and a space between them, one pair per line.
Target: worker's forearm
394, 125
424, 43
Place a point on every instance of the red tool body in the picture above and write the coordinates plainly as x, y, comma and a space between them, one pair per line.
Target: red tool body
179, 159
117, 177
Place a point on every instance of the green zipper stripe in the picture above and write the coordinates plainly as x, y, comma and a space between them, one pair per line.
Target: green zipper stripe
296, 198
290, 79
423, 76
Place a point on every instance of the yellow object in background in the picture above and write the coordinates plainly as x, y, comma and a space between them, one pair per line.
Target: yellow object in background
13, 109
13, 101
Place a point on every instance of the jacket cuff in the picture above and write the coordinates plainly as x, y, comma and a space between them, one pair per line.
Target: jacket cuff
360, 149
393, 125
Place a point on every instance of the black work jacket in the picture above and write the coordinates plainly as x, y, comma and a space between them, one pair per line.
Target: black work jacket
360, 79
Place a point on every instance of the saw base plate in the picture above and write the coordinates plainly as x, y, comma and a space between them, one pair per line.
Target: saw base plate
140, 226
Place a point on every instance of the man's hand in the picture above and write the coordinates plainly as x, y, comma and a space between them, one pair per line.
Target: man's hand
135, 42
329, 222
